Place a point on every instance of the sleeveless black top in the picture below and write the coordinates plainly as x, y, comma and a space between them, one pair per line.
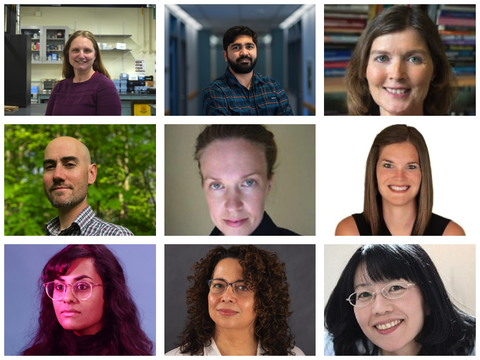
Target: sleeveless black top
435, 227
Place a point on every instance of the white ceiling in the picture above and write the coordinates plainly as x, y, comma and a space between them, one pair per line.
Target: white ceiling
260, 18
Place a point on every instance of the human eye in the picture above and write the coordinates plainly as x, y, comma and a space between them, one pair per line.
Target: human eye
82, 286
381, 58
250, 46
364, 296
415, 59
387, 165
215, 186
412, 167
249, 183
218, 285
243, 287
235, 47
58, 286
49, 167
69, 165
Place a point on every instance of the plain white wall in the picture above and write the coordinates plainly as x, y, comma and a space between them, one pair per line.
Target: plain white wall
455, 263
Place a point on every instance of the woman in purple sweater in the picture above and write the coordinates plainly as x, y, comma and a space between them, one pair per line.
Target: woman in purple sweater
87, 88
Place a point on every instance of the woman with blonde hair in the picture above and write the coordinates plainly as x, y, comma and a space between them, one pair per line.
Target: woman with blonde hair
87, 88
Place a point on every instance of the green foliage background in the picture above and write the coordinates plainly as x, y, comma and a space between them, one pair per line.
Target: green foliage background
124, 192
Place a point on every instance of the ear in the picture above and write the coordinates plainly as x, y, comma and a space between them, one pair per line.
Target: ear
225, 55
270, 183
92, 173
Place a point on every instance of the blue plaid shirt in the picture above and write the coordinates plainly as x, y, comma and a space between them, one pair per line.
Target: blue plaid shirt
226, 96
86, 224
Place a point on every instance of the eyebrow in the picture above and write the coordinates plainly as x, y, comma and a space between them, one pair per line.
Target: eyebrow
384, 52
63, 159
221, 278
243, 177
77, 278
237, 44
392, 162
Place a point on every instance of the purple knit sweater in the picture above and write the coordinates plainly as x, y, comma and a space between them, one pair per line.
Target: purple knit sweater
96, 96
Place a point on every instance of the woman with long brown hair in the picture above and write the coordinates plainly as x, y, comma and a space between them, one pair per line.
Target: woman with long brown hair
398, 197
87, 88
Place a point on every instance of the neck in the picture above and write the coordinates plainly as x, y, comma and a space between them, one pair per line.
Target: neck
83, 76
400, 219
68, 215
414, 111
236, 342
413, 348
244, 79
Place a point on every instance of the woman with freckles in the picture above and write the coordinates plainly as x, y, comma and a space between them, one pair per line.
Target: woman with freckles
236, 165
398, 196
238, 304
399, 67
390, 300
87, 88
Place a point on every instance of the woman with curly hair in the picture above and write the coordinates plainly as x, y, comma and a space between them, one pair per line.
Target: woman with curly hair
238, 304
391, 300
86, 307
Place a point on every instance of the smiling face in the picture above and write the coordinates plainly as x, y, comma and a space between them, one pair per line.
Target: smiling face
235, 184
229, 310
392, 325
399, 73
81, 54
398, 174
84, 317
67, 172
241, 55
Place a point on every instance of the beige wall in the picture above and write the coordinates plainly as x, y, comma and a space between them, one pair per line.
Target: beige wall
455, 263
291, 203
141, 27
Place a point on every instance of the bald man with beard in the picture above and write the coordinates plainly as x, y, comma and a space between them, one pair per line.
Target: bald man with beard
67, 173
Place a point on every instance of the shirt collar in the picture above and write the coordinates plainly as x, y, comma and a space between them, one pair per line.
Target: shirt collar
78, 225
212, 350
257, 78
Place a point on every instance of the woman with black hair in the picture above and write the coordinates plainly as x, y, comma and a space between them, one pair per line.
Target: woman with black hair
390, 300
86, 307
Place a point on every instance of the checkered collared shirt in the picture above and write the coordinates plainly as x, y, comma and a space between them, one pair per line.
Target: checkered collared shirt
226, 96
86, 224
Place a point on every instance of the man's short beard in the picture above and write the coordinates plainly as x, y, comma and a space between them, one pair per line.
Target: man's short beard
71, 202
241, 69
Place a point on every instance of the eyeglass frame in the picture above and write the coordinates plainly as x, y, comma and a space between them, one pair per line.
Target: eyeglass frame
71, 285
231, 284
374, 293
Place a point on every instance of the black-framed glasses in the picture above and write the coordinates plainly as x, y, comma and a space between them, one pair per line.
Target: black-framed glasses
82, 290
392, 291
239, 287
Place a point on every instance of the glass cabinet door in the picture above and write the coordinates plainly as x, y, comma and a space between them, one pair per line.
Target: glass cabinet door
35, 33
55, 40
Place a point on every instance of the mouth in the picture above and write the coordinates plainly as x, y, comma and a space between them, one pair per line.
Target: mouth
61, 188
70, 312
398, 188
398, 92
387, 328
235, 223
226, 312
244, 60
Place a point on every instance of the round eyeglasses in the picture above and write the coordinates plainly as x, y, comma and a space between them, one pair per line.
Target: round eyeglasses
392, 291
240, 287
82, 290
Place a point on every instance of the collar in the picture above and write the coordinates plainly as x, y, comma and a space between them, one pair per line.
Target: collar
232, 80
53, 226
212, 350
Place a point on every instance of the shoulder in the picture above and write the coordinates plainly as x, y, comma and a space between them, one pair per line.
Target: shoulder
453, 229
176, 352
217, 84
328, 344
103, 81
101, 227
297, 351
347, 226
268, 81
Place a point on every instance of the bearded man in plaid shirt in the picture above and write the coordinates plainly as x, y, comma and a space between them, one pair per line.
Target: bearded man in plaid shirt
242, 91
67, 173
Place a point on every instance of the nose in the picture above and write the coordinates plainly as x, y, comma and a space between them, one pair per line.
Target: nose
68, 297
234, 201
229, 295
380, 304
397, 70
59, 173
399, 174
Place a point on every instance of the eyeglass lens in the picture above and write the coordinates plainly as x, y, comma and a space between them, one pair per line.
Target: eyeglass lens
220, 286
57, 289
391, 291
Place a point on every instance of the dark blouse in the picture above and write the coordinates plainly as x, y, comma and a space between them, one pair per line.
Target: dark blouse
266, 227
435, 227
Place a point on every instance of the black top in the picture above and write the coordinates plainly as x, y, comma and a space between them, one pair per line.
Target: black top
435, 227
92, 344
266, 227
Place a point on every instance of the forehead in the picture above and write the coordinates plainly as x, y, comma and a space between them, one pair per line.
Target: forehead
81, 41
242, 39
400, 41
82, 266
64, 147
404, 150
232, 158
228, 269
